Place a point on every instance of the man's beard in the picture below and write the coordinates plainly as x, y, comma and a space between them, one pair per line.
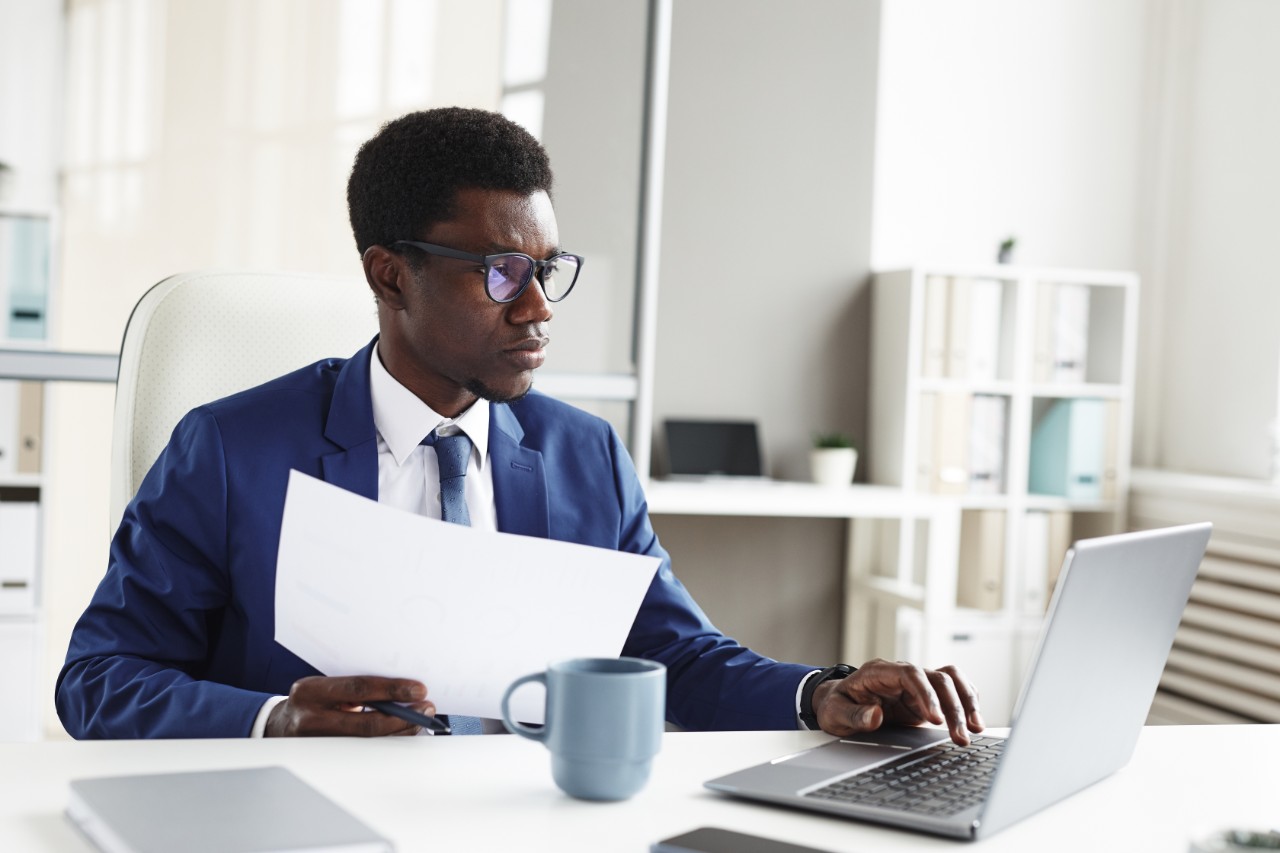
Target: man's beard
484, 392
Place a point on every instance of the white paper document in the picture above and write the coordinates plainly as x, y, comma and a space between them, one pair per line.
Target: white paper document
366, 589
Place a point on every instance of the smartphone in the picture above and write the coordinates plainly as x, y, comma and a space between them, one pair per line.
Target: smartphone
710, 839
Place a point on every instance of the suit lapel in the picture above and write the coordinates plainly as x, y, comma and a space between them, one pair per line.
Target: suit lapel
519, 479
350, 426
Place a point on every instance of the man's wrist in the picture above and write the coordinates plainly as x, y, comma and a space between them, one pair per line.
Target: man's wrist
808, 715
264, 714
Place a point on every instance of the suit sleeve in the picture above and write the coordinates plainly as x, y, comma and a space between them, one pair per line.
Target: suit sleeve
137, 658
713, 683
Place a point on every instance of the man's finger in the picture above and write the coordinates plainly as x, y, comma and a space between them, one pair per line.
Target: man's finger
968, 697
951, 706
919, 693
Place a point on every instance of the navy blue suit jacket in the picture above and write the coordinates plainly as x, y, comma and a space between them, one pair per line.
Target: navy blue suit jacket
178, 639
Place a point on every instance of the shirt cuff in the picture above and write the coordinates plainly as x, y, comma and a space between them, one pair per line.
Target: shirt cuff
260, 722
800, 724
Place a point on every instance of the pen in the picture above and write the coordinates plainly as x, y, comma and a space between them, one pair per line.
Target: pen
431, 724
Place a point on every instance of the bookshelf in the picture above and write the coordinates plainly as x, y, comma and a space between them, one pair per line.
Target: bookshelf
1008, 392
25, 240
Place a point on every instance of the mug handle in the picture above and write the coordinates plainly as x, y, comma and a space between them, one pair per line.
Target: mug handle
539, 733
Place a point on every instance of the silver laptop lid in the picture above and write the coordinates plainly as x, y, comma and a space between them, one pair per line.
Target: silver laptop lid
1108, 632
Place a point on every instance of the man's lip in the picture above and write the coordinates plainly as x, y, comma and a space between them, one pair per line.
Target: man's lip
529, 345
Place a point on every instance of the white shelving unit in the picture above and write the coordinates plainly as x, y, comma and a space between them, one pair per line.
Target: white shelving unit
1037, 348
25, 249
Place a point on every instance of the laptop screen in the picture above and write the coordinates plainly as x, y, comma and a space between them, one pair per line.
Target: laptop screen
705, 448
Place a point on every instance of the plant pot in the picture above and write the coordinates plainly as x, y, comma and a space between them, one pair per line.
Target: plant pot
833, 466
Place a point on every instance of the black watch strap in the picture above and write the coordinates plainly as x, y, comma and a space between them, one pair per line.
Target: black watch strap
831, 673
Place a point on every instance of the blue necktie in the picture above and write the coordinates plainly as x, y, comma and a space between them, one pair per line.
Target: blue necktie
453, 452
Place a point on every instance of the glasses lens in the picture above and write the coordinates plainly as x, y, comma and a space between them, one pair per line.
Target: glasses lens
559, 275
507, 275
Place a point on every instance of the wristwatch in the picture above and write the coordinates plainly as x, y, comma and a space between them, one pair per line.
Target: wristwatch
831, 673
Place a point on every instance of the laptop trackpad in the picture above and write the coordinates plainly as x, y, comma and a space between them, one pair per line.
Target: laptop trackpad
786, 776
851, 753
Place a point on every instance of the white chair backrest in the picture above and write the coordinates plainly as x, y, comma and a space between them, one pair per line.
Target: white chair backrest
199, 336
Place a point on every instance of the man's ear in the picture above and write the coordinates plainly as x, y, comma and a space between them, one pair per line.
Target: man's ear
387, 274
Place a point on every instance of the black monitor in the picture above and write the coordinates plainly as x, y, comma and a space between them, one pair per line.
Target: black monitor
712, 448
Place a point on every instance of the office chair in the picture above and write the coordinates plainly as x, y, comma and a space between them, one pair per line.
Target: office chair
199, 336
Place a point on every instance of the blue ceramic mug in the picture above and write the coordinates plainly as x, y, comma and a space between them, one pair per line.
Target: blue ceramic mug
604, 723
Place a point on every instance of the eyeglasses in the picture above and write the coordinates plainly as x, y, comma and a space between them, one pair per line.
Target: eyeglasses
506, 275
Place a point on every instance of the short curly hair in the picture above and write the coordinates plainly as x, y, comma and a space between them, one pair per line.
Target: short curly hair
407, 177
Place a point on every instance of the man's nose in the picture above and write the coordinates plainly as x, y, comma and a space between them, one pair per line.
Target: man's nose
531, 306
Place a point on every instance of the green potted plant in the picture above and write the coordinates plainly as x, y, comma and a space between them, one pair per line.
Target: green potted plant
833, 459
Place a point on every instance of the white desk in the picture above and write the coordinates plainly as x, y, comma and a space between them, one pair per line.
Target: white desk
495, 793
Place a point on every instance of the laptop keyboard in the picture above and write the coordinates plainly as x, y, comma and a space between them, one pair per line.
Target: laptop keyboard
941, 780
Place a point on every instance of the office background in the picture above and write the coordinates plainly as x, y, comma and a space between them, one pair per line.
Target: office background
807, 145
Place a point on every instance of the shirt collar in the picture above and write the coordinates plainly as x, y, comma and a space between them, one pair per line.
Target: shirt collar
403, 420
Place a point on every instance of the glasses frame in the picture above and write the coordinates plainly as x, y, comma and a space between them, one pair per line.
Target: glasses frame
537, 268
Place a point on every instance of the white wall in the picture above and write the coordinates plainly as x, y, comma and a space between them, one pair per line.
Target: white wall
1001, 117
767, 219
762, 309
1212, 380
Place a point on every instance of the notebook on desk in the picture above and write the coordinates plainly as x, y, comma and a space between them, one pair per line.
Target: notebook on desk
712, 450
215, 811
1103, 646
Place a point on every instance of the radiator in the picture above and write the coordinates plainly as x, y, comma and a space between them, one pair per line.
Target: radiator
1225, 662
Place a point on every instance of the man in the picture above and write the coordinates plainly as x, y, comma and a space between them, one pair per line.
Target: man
452, 215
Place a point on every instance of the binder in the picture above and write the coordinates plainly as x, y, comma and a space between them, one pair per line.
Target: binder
1067, 448
1033, 568
19, 556
958, 315
8, 426
30, 427
1070, 332
251, 809
24, 256
924, 445
933, 361
1045, 539
1061, 333
943, 456
980, 570
984, 323
1111, 451
1042, 334
1059, 541
987, 444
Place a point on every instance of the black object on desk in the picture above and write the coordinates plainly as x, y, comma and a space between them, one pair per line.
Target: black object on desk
432, 724
710, 839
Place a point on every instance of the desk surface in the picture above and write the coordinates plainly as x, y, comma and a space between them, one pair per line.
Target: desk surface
495, 793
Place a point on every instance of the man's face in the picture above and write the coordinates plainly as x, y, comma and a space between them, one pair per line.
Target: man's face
449, 342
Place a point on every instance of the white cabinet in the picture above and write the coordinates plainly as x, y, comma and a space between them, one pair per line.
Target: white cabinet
1007, 392
21, 649
21, 416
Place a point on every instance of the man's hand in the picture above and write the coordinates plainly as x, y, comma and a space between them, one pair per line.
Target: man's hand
882, 691
320, 705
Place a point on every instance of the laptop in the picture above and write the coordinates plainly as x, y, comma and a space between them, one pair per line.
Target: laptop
1107, 634
706, 450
